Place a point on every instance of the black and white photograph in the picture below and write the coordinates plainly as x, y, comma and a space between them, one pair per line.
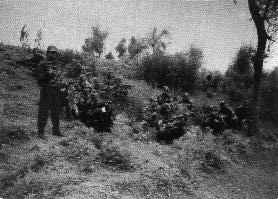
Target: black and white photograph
149, 99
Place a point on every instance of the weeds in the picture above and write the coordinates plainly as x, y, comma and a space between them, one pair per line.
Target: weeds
41, 185
15, 87
13, 133
201, 153
116, 157
160, 184
76, 150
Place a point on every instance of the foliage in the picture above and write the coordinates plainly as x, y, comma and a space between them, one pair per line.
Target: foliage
109, 56
241, 71
38, 40
74, 62
67, 56
268, 103
121, 48
24, 37
178, 71
236, 94
190, 72
239, 75
156, 40
156, 68
264, 14
136, 47
95, 42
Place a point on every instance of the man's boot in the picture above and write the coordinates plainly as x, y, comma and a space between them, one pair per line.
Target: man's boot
41, 134
55, 121
57, 132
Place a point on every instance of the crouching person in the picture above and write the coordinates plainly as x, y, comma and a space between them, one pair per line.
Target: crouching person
214, 121
228, 116
173, 129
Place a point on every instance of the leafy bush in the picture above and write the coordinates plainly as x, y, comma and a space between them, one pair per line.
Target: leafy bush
241, 71
177, 71
236, 94
78, 63
269, 105
239, 75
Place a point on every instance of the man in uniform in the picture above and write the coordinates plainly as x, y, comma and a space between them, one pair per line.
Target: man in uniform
186, 100
244, 114
165, 96
209, 91
50, 81
214, 121
228, 115
150, 112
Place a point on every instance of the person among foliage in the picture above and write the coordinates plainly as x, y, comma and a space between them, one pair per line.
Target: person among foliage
214, 121
228, 115
150, 113
50, 80
244, 114
165, 96
186, 100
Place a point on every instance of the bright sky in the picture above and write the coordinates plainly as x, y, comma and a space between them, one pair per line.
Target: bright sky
216, 26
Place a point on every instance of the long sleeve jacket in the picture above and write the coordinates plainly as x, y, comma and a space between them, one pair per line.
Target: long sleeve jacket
48, 74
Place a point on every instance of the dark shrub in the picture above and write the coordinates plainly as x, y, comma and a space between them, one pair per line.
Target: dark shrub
178, 71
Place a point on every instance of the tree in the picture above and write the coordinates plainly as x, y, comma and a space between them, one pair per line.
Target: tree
109, 56
38, 39
264, 14
190, 69
121, 47
155, 40
24, 37
95, 43
241, 71
136, 47
243, 63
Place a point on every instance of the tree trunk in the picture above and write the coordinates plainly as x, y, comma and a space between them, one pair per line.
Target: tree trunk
256, 93
258, 59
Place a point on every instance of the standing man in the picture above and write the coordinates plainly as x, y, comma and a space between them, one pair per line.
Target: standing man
50, 81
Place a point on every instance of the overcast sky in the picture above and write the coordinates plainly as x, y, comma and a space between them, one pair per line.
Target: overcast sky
216, 26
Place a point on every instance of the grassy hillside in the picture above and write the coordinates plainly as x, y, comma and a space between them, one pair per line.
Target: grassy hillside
127, 163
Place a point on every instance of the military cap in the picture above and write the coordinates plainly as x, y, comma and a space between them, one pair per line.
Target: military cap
222, 103
165, 88
51, 49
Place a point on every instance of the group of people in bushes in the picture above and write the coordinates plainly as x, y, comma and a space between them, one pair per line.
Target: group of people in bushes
170, 115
